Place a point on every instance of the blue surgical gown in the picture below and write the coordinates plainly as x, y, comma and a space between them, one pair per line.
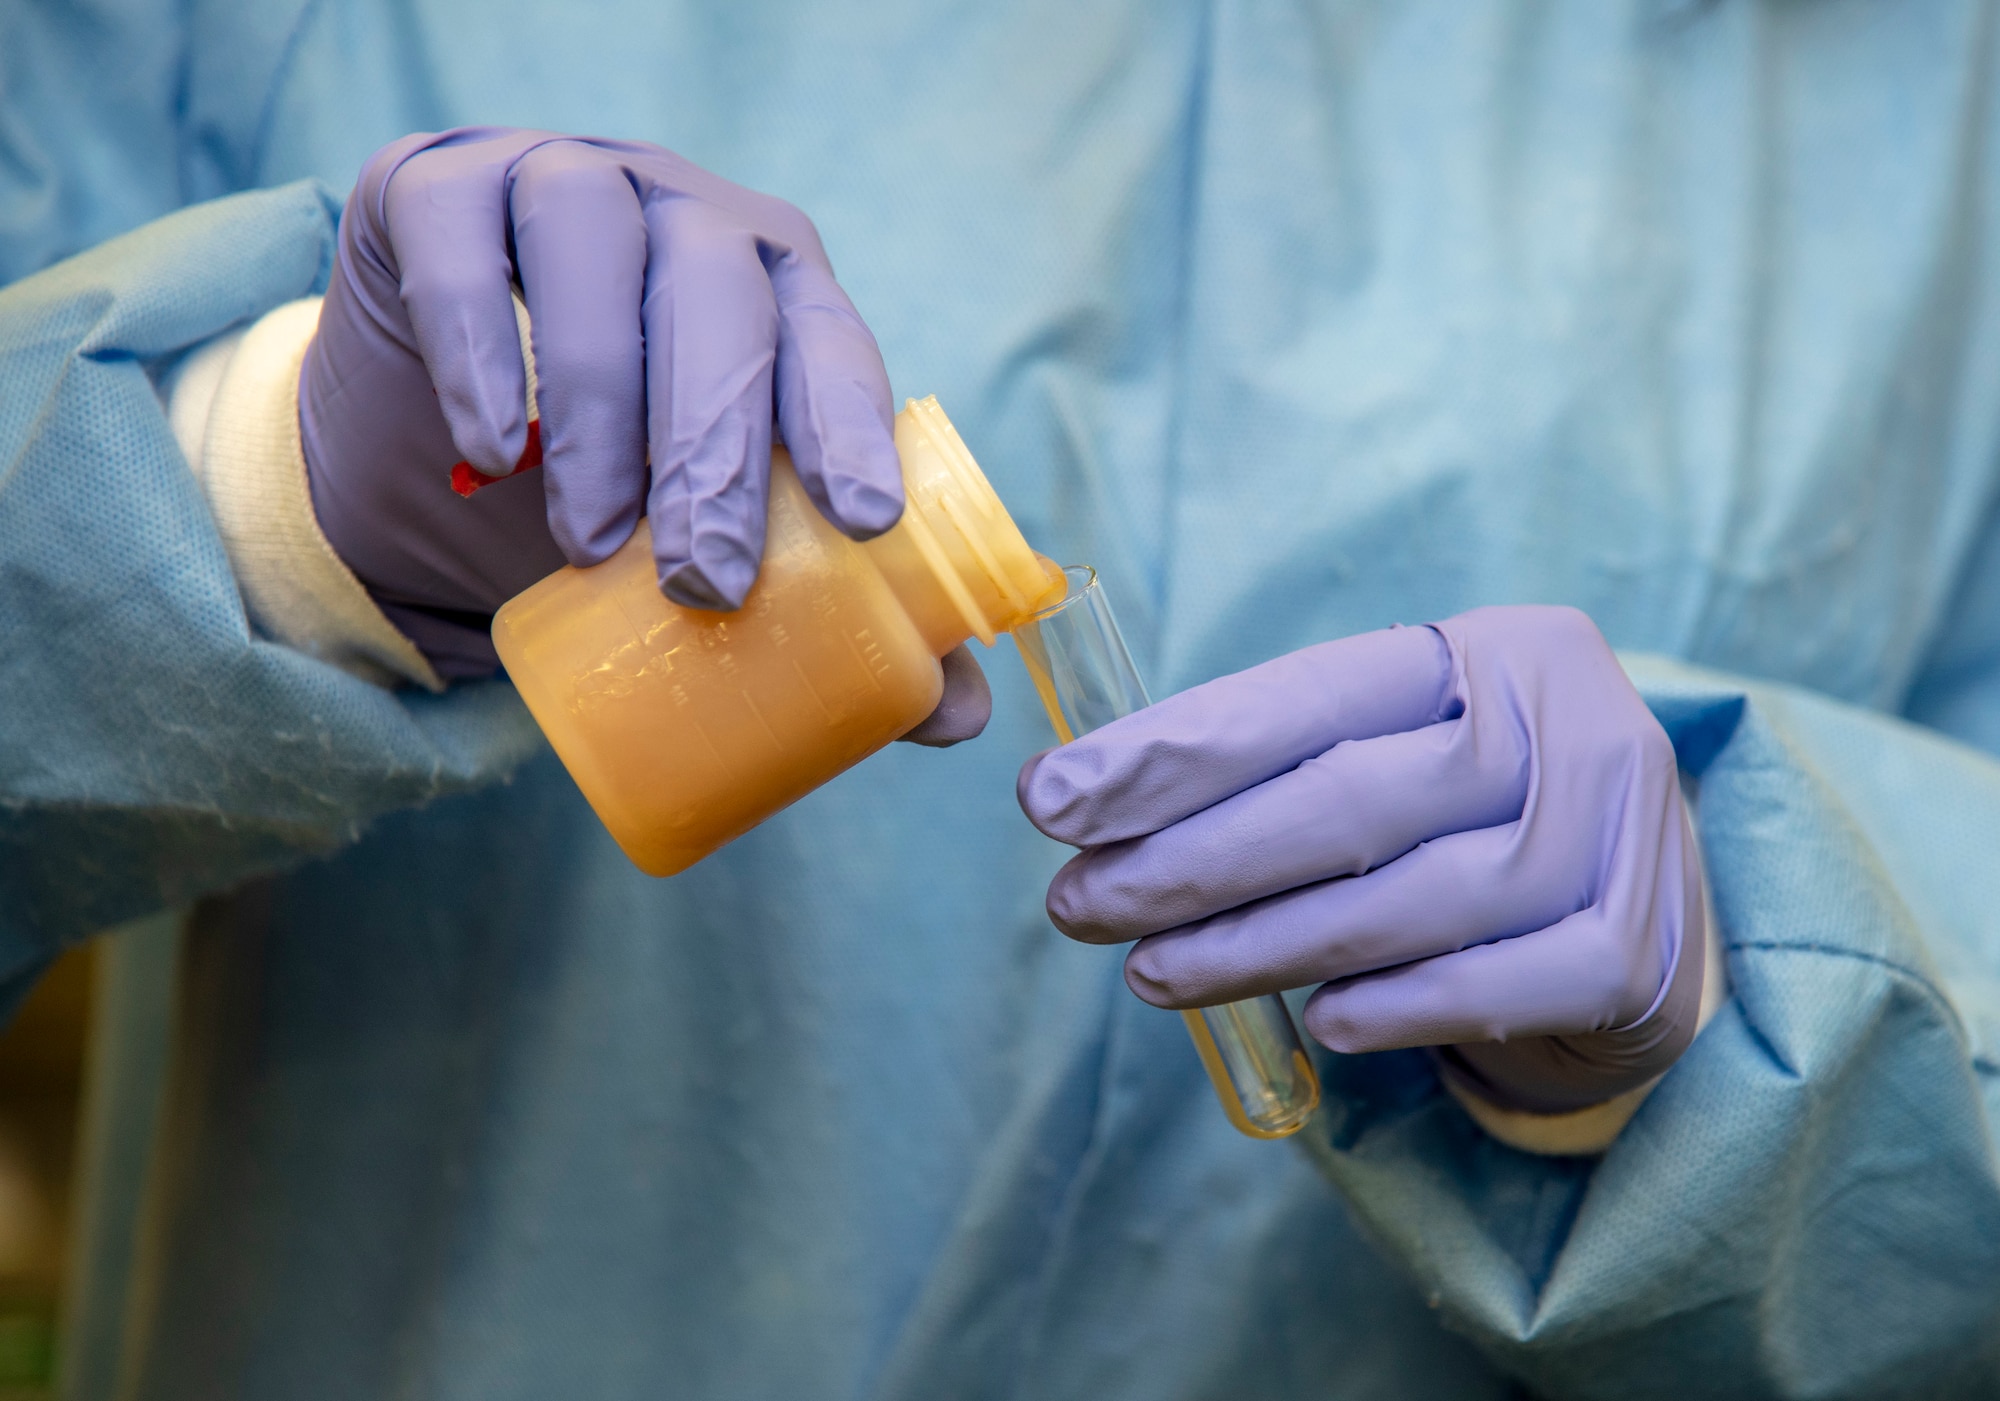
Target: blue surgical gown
1295, 319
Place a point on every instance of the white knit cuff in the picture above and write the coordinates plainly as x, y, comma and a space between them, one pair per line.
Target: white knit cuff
253, 470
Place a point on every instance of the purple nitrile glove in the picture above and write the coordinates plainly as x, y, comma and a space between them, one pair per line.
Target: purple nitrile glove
1470, 832
675, 316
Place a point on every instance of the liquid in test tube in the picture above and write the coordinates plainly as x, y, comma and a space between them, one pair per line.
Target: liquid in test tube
1084, 674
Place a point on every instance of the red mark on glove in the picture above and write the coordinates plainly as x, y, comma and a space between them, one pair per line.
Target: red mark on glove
466, 479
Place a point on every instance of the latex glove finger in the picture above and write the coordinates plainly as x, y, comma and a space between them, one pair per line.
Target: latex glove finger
834, 406
448, 232
1552, 1075
1603, 967
1356, 807
580, 244
1153, 768
1582, 975
1458, 891
965, 707
711, 342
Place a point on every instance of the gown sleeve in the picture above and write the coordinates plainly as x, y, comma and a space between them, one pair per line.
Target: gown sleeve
1808, 1204
155, 746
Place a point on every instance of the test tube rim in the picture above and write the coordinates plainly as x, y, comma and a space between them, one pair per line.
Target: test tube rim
1072, 592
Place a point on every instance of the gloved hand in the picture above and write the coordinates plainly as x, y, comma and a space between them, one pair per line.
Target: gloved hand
1471, 833
673, 314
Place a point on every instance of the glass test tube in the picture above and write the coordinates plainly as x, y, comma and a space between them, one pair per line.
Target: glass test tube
1086, 678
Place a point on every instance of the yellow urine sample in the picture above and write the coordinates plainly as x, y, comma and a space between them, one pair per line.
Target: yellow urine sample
686, 728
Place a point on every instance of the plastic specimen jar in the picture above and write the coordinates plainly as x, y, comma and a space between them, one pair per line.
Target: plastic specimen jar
1085, 676
686, 728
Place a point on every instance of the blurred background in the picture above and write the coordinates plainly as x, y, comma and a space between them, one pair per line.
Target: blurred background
83, 1068
42, 1054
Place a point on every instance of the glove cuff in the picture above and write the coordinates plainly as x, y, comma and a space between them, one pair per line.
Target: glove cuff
234, 407
1594, 1128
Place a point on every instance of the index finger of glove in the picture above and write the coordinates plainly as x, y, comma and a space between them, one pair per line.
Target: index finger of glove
1164, 763
1351, 810
445, 210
